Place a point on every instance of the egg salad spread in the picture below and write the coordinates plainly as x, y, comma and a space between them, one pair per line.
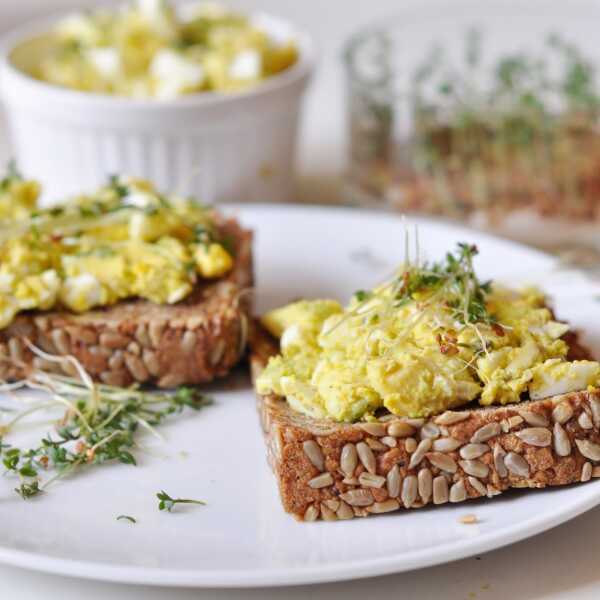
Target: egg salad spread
124, 241
150, 49
431, 339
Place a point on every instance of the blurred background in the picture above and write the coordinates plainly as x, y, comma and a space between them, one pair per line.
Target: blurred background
321, 147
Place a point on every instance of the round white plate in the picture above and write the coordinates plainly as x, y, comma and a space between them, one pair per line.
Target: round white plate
243, 537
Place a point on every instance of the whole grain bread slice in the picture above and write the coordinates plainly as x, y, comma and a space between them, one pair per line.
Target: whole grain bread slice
193, 341
332, 471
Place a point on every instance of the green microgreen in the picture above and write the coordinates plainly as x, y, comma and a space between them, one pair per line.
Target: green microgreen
100, 425
115, 185
165, 502
126, 518
461, 291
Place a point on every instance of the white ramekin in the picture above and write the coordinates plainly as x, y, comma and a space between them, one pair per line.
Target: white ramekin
215, 147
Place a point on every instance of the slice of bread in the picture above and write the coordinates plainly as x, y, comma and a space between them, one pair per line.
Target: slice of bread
193, 341
333, 470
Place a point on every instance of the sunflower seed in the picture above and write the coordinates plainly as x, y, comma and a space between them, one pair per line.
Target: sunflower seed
409, 490
15, 349
440, 490
42, 323
188, 342
595, 408
393, 481
458, 492
410, 445
370, 480
516, 464
327, 514
492, 491
344, 512
321, 481
400, 429
477, 485
348, 460
150, 359
134, 348
314, 454
483, 434
358, 497
535, 436
471, 451
499, 455
366, 456
116, 378
376, 429
417, 456
389, 441
562, 444
332, 503
469, 519
589, 449
350, 481
69, 368
584, 421
534, 418
562, 412
474, 467
155, 331
416, 423
451, 417
116, 361
311, 513
514, 421
375, 445
136, 367
112, 340
61, 340
446, 444
216, 354
45, 365
425, 484
430, 430
142, 337
385, 506
586, 472
442, 461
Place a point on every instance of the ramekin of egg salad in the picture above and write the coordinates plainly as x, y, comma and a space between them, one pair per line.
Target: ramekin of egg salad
199, 98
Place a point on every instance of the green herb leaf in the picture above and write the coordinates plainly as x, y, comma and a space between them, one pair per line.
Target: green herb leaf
126, 518
28, 490
167, 503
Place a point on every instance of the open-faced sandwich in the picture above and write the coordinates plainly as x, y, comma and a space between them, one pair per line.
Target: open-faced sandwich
432, 388
137, 286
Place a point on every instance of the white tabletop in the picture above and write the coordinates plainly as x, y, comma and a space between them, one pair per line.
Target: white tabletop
559, 564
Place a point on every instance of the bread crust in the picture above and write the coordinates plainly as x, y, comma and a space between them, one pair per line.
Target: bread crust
328, 470
191, 342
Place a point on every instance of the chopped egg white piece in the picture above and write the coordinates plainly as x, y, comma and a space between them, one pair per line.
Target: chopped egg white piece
246, 65
82, 292
106, 61
175, 74
558, 377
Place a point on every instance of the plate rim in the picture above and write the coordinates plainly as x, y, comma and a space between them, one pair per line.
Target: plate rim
588, 497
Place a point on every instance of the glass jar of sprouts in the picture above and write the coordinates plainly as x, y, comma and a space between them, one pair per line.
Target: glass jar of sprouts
486, 113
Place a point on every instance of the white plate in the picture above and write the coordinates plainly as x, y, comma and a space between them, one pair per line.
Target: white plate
243, 537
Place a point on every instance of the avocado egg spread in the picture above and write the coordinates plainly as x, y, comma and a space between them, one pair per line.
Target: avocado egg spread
124, 241
433, 338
